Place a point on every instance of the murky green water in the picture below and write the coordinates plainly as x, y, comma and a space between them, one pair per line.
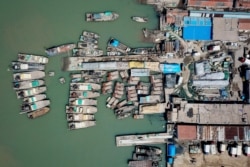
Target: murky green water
29, 26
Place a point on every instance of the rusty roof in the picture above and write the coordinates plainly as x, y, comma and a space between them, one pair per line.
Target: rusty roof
186, 132
234, 133
244, 24
242, 4
175, 16
211, 3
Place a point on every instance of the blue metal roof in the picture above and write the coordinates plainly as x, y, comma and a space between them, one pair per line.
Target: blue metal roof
197, 28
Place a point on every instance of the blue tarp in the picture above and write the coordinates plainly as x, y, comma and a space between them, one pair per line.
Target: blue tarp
170, 68
171, 150
114, 42
197, 28
97, 16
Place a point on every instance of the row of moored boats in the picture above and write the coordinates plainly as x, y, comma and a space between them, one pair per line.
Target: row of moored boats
29, 84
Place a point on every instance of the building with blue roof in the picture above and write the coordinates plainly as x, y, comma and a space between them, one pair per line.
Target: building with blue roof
197, 28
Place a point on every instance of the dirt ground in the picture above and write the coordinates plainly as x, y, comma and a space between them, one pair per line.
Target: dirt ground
218, 160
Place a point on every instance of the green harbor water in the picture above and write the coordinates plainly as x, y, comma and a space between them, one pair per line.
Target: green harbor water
30, 26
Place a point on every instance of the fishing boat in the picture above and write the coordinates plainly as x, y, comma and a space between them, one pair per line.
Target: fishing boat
80, 117
140, 51
94, 80
84, 86
82, 102
79, 125
87, 52
90, 34
143, 157
118, 46
149, 150
123, 115
86, 45
34, 98
84, 94
25, 108
140, 19
38, 113
28, 75
76, 80
20, 66
87, 39
29, 58
81, 109
30, 92
103, 16
59, 49
27, 84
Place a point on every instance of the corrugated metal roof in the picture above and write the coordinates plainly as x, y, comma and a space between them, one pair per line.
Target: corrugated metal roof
186, 132
211, 3
197, 28
139, 72
225, 29
214, 133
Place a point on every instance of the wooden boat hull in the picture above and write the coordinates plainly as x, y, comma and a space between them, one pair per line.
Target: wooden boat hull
28, 58
90, 34
38, 113
80, 125
34, 98
30, 92
27, 84
82, 102
28, 76
52, 51
81, 109
34, 106
80, 117
20, 66
84, 86
84, 94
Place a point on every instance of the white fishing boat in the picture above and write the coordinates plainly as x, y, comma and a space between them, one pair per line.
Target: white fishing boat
27, 84
38, 113
34, 98
84, 86
87, 39
90, 34
80, 117
140, 19
28, 75
82, 102
102, 16
84, 94
29, 58
21, 66
79, 125
30, 92
25, 108
81, 109
86, 45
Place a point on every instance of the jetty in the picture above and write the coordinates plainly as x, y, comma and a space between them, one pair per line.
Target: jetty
153, 138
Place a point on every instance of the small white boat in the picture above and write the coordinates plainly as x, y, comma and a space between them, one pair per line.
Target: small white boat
84, 86
38, 113
34, 98
80, 117
21, 66
62, 80
84, 94
79, 125
25, 108
81, 109
29, 58
90, 34
140, 19
82, 102
30, 92
28, 75
27, 84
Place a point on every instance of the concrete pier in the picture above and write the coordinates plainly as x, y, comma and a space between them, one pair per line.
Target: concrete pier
131, 140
